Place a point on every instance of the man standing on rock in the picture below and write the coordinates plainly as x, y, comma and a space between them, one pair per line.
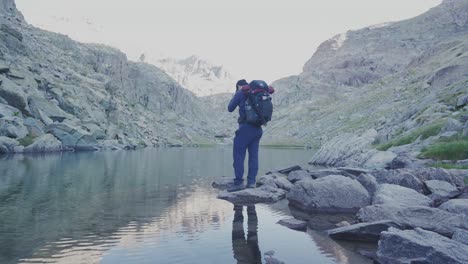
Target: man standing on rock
250, 130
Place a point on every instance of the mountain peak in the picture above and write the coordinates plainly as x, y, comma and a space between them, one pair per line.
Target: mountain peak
198, 75
8, 8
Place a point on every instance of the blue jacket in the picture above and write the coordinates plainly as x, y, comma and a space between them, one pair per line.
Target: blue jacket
238, 100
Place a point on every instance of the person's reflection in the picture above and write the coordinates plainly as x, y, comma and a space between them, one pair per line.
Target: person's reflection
245, 250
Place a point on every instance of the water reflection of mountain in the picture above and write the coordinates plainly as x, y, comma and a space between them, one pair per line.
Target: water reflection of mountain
55, 206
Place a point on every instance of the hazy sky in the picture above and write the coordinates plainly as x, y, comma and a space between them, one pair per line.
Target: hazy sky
255, 39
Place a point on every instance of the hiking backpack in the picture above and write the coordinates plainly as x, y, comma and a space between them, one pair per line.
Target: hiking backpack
258, 105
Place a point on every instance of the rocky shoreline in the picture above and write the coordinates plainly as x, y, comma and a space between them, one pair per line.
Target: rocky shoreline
412, 214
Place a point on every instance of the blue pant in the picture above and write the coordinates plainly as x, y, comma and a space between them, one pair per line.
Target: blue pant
247, 138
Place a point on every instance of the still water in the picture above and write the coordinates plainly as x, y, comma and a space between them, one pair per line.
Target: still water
146, 206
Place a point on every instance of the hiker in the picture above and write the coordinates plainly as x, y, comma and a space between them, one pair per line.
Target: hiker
255, 110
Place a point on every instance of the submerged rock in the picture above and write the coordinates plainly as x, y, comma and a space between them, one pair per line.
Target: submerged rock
433, 219
419, 246
367, 232
333, 193
399, 196
294, 224
263, 194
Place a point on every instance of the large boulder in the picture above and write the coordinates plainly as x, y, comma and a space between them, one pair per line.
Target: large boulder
433, 219
425, 174
461, 236
45, 143
369, 182
456, 206
46, 110
462, 100
399, 196
440, 188
452, 125
13, 94
419, 246
12, 127
367, 232
9, 111
9, 145
400, 177
263, 194
334, 193
35, 127
72, 137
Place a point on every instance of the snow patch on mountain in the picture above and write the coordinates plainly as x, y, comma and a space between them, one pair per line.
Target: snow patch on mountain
198, 75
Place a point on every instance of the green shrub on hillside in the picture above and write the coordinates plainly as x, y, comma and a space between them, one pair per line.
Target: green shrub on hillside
26, 141
423, 132
449, 150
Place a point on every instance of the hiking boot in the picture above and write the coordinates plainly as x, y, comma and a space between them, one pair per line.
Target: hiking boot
235, 187
251, 185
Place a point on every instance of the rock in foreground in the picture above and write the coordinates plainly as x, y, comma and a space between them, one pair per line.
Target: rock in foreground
333, 193
432, 219
367, 232
457, 206
399, 196
419, 246
263, 194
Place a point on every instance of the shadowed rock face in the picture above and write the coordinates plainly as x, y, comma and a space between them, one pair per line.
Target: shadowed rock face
419, 246
54, 80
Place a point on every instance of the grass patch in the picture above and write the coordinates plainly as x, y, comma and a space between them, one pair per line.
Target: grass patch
26, 141
450, 166
451, 150
423, 132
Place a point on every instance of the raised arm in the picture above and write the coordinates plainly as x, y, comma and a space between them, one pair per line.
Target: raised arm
235, 101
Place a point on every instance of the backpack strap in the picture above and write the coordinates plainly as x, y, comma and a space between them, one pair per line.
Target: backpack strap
256, 109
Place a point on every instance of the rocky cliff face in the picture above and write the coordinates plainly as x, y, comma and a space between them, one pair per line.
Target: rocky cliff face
394, 78
88, 96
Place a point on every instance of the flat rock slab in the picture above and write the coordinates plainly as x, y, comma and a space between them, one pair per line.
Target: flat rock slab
223, 183
327, 172
419, 246
432, 219
366, 232
456, 206
399, 196
440, 188
293, 223
333, 194
263, 194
